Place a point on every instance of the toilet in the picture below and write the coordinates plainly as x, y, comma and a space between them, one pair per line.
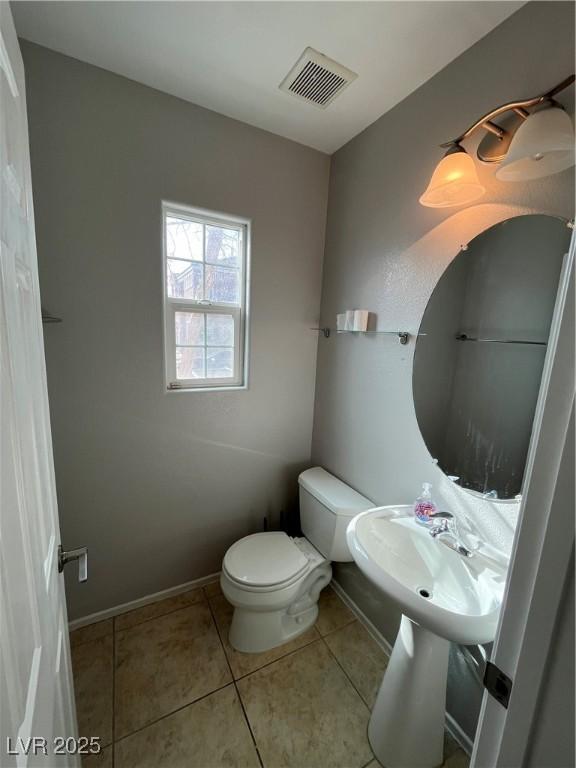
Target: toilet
274, 581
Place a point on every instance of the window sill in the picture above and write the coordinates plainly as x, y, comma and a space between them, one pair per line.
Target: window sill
235, 388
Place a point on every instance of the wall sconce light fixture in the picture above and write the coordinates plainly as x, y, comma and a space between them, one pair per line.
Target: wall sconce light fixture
454, 181
527, 146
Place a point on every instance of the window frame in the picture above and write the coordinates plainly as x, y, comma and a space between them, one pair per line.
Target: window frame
240, 312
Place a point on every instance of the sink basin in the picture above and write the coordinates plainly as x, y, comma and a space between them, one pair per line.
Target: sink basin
456, 597
443, 597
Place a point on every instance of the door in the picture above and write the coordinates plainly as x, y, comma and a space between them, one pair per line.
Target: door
36, 692
542, 554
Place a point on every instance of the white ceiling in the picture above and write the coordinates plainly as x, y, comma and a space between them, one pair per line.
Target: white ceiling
231, 56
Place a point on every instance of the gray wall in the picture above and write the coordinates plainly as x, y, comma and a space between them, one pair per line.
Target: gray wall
158, 485
385, 252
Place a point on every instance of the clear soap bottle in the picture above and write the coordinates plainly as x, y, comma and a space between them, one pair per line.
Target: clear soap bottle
424, 507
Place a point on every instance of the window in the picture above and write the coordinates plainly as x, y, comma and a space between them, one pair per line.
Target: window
205, 298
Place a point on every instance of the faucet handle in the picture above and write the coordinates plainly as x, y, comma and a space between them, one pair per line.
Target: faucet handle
445, 515
440, 525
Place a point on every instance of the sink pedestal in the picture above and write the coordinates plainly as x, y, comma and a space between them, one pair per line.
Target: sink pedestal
406, 728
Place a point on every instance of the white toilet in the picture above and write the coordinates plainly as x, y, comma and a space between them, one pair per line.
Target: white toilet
274, 581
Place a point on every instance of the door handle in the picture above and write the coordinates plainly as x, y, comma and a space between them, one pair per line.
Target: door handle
67, 556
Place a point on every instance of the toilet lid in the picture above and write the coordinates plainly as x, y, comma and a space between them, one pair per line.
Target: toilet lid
264, 559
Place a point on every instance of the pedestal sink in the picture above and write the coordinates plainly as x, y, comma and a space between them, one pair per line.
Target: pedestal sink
444, 597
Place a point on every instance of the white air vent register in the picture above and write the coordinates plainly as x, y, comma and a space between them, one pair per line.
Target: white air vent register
317, 79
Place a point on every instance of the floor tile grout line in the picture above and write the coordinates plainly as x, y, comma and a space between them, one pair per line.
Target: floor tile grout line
234, 680
331, 652
280, 658
173, 712
132, 626
337, 629
213, 615
361, 697
291, 653
258, 755
206, 599
188, 704
179, 709
91, 640
159, 616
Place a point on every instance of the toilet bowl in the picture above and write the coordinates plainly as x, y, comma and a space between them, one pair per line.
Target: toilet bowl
274, 581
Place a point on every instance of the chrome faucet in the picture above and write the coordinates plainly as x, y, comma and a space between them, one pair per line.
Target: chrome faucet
445, 529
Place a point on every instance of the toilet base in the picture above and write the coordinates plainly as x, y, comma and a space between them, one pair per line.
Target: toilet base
266, 618
255, 632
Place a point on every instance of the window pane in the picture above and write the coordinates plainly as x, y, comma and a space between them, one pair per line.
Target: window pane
219, 330
222, 246
189, 328
222, 284
185, 279
184, 239
220, 363
205, 288
190, 363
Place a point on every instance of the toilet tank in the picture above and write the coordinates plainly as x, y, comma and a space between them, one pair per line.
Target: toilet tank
326, 507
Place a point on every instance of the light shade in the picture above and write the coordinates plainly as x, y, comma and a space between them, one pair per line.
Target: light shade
454, 182
542, 145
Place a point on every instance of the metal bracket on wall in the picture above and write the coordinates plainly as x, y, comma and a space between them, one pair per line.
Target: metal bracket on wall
403, 336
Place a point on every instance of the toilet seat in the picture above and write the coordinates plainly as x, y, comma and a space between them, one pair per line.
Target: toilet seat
265, 562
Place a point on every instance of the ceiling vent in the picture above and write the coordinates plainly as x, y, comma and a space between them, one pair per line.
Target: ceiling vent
317, 79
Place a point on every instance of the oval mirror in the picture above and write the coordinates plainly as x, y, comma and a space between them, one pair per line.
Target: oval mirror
478, 364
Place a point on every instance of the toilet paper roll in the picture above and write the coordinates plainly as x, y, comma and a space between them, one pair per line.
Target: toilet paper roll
341, 322
360, 319
349, 319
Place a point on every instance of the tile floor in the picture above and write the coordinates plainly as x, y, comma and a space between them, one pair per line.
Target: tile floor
163, 688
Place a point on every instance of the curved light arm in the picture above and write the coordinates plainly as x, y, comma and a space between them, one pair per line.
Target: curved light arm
520, 107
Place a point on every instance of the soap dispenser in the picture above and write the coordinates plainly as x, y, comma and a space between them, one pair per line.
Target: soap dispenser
424, 507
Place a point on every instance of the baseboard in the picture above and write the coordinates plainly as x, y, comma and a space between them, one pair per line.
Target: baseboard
458, 734
452, 726
146, 600
362, 618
